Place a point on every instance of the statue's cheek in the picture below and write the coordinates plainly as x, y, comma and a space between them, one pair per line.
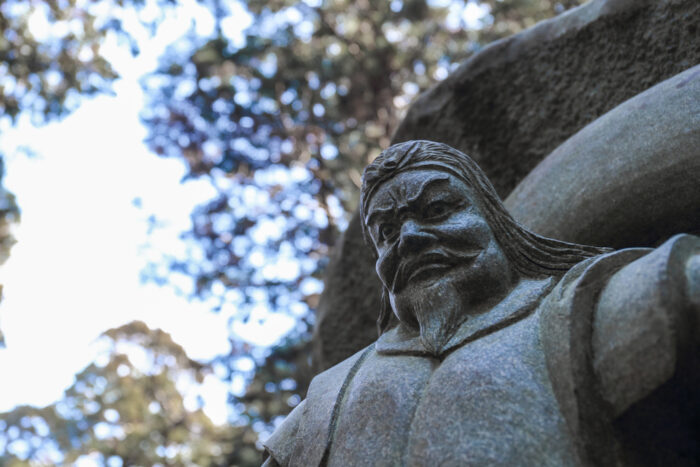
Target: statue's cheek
467, 230
386, 267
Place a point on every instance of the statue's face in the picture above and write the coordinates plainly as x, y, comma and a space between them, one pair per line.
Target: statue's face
428, 227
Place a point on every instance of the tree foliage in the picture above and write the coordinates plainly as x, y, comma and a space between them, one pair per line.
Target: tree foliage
50, 53
140, 404
277, 385
283, 124
133, 406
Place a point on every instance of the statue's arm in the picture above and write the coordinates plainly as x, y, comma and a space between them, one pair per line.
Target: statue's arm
646, 317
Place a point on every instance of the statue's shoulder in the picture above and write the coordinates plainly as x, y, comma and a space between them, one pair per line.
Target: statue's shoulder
303, 436
280, 445
566, 312
587, 277
568, 308
592, 270
565, 333
569, 317
335, 375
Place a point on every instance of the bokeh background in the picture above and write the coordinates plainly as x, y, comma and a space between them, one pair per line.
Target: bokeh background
174, 174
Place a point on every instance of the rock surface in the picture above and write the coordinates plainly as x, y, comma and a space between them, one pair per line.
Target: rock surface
630, 178
508, 107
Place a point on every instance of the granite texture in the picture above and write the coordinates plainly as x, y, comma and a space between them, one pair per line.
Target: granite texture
512, 104
629, 178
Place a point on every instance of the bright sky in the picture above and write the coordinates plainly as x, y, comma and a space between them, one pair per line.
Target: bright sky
74, 272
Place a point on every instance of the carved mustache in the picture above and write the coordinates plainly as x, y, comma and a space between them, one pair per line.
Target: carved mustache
411, 267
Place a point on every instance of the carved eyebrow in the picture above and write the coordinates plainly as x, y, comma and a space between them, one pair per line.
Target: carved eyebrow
426, 183
378, 212
410, 199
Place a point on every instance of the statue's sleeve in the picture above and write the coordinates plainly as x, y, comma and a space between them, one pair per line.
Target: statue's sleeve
279, 446
644, 321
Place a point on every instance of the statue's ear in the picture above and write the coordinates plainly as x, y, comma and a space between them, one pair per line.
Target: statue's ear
384, 322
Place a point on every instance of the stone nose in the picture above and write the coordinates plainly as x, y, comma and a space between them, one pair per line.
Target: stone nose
413, 238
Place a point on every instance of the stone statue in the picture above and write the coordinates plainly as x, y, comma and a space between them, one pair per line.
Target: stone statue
501, 347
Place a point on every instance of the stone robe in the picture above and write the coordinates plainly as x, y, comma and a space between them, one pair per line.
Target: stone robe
535, 381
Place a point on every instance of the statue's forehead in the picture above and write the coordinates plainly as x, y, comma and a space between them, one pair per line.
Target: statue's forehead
407, 186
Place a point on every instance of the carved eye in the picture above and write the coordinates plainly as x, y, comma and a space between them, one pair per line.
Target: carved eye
436, 209
387, 231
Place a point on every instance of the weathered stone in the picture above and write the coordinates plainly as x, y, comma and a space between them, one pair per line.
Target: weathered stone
510, 348
514, 102
509, 106
632, 177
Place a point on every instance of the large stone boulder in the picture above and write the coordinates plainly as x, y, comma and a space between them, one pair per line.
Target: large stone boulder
630, 178
512, 104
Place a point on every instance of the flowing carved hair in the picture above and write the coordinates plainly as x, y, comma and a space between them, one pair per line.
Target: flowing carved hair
532, 255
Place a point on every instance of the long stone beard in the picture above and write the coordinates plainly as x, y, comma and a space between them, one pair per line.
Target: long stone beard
438, 312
